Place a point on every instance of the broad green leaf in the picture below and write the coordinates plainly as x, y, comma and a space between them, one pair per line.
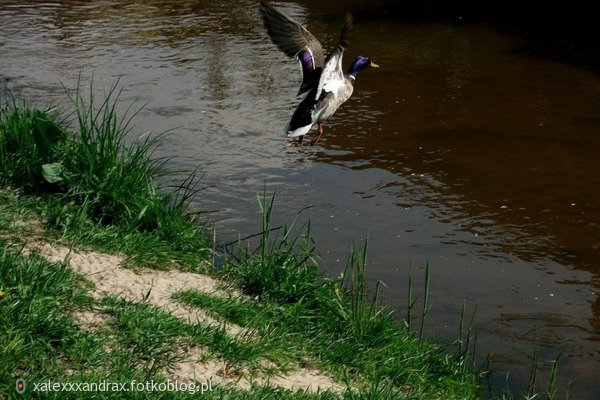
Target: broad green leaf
53, 172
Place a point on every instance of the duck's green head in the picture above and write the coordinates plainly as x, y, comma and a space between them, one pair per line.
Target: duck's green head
360, 63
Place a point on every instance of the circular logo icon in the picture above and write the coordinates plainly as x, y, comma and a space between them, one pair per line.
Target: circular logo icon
21, 386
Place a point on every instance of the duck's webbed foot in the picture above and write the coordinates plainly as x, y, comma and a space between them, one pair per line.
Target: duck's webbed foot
296, 141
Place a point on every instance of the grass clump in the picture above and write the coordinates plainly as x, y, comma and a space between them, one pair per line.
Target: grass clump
97, 185
114, 181
283, 270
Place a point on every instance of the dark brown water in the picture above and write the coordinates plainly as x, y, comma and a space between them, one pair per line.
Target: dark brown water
460, 151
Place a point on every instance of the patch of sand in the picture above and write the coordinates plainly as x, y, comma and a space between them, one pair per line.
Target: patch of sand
109, 278
194, 368
90, 320
302, 379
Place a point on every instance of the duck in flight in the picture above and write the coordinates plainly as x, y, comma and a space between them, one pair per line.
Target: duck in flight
323, 79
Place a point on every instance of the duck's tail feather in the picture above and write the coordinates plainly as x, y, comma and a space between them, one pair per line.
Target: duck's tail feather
302, 119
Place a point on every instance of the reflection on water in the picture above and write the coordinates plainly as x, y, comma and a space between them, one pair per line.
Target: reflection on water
459, 152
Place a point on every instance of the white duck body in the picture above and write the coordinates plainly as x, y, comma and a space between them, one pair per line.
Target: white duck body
336, 87
333, 90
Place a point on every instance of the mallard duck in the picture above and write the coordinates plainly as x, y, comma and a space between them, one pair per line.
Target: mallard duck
323, 78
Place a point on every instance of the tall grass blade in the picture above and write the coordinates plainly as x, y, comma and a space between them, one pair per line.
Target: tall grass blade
410, 302
533, 373
425, 310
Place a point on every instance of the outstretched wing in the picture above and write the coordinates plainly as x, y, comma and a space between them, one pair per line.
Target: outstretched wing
295, 41
333, 74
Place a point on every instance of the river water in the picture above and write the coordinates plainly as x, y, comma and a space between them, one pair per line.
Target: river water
460, 151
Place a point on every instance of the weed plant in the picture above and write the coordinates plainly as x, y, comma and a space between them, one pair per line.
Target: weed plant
29, 139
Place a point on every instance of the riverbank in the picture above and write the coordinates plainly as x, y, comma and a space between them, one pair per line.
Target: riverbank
107, 277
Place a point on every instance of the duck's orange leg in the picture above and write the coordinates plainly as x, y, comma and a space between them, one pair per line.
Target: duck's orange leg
320, 131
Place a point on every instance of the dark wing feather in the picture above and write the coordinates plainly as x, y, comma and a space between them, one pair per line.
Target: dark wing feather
292, 38
289, 35
347, 30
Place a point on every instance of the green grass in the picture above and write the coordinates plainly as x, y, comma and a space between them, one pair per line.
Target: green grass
335, 322
95, 185
33, 315
92, 184
282, 269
